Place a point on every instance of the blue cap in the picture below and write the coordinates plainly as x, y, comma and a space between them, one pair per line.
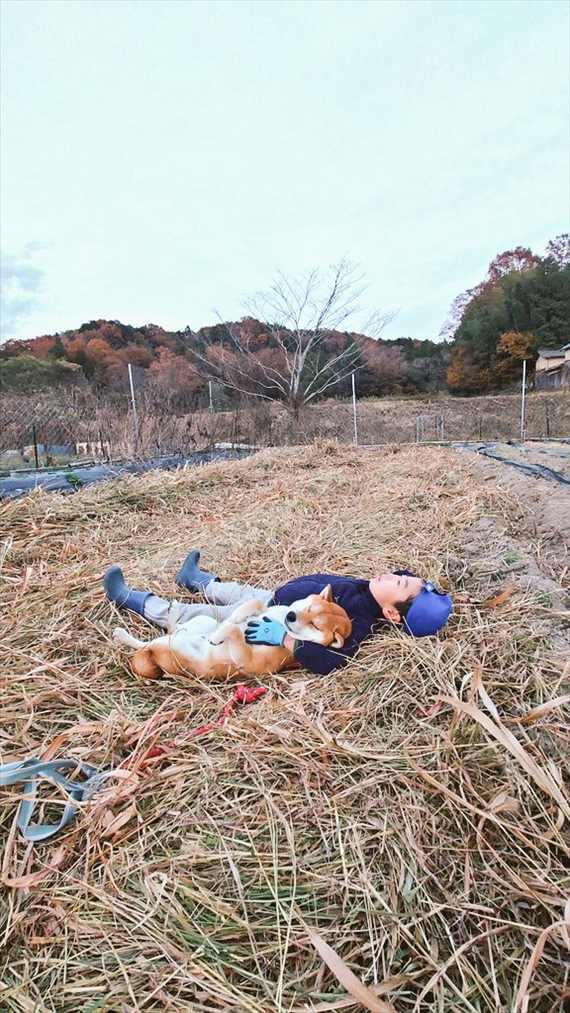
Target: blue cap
429, 612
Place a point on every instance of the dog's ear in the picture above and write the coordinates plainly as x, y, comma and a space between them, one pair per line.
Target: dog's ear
326, 593
144, 665
342, 632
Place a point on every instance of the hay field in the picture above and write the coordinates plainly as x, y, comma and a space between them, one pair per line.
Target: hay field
411, 812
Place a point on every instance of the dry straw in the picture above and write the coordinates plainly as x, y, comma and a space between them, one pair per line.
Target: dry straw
391, 837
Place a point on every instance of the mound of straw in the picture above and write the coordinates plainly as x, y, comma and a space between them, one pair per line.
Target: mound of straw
392, 837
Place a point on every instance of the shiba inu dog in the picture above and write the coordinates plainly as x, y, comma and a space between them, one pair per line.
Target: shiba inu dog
204, 647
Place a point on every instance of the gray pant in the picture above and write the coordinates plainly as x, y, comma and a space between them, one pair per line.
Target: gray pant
221, 600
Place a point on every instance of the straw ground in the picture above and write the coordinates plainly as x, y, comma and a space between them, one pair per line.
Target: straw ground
410, 812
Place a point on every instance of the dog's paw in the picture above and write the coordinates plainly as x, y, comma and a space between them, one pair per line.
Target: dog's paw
119, 634
217, 638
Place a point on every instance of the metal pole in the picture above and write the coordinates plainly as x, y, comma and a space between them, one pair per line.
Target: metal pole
523, 393
354, 411
134, 406
35, 439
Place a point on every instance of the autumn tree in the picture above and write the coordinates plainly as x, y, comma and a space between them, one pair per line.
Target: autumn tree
384, 369
172, 380
517, 344
558, 249
289, 349
464, 375
512, 349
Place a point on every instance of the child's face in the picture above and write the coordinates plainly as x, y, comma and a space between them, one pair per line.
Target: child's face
389, 590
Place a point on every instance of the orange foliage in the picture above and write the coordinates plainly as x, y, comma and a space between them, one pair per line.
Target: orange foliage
516, 344
98, 350
75, 348
463, 375
42, 346
174, 373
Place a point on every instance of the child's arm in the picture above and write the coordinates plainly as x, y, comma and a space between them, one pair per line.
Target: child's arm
323, 660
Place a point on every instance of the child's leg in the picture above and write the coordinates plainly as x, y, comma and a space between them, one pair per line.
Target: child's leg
231, 592
222, 598
156, 610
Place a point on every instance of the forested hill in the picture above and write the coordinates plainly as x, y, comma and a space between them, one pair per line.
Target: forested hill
98, 353
521, 305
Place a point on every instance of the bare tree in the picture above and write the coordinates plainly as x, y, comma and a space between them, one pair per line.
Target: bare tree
294, 362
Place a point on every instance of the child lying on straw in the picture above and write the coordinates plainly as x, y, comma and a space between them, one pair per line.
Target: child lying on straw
397, 597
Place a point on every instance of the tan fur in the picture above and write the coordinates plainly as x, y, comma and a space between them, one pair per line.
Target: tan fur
222, 651
143, 664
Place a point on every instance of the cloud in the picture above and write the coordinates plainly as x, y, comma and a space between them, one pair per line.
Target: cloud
21, 283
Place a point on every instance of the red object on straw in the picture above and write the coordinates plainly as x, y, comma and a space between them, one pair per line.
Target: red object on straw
241, 695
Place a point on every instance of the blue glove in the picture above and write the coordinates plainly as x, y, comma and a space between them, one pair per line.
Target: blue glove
265, 631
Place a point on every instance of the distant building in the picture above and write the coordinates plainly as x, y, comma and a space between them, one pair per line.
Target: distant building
552, 368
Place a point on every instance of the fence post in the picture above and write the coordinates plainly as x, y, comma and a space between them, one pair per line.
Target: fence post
354, 410
523, 394
35, 440
134, 406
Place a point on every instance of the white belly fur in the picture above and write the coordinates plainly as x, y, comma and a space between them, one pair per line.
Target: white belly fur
192, 638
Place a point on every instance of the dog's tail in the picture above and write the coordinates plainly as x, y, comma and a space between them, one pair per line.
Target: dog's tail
124, 637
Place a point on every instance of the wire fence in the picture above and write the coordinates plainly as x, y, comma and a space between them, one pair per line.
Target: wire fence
48, 431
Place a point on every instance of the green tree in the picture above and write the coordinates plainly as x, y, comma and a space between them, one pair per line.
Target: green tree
25, 373
57, 351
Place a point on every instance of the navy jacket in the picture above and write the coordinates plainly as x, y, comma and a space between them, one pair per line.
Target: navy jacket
354, 596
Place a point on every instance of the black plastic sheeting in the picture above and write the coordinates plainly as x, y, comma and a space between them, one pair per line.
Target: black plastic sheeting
68, 480
538, 470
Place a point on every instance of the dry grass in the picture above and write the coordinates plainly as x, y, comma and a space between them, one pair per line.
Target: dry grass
411, 810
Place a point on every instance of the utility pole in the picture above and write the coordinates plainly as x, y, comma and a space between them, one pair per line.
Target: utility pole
134, 407
210, 395
354, 411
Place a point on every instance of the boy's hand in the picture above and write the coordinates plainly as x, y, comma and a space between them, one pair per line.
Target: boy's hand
265, 631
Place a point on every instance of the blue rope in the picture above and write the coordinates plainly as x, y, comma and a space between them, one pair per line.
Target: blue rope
30, 771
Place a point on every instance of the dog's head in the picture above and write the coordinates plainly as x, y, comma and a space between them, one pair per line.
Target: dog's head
320, 619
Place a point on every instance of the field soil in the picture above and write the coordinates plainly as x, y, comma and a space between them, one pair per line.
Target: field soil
404, 820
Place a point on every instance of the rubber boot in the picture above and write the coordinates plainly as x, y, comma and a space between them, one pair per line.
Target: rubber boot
191, 576
121, 594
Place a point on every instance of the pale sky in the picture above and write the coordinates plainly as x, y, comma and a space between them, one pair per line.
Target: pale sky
162, 159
